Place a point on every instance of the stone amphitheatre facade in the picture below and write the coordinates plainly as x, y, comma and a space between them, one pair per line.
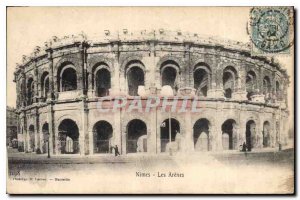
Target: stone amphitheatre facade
242, 98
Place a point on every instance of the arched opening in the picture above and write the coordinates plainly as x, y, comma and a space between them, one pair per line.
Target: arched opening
102, 137
136, 136
67, 78
266, 134
165, 134
250, 134
31, 138
266, 85
169, 75
102, 82
201, 135
68, 136
45, 131
229, 81
30, 91
201, 80
228, 93
229, 138
23, 94
45, 85
135, 78
250, 84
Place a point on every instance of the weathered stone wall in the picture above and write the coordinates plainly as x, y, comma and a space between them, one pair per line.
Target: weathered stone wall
151, 56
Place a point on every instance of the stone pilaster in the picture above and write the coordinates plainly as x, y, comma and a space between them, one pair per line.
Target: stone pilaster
214, 74
18, 88
117, 131
240, 93
188, 137
273, 85
156, 69
216, 88
52, 136
152, 79
148, 77
217, 129
260, 80
25, 133
28, 140
123, 134
187, 66
242, 132
37, 131
284, 92
36, 91
83, 77
51, 77
41, 140
258, 136
237, 134
90, 89
84, 138
91, 142
213, 137
79, 64
151, 133
23, 90
118, 81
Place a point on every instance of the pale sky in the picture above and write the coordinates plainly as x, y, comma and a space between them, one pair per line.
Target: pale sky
28, 27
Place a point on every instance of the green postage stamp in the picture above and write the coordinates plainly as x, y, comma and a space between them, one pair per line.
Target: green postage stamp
271, 30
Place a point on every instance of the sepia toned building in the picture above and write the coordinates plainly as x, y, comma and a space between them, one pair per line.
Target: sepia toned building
241, 98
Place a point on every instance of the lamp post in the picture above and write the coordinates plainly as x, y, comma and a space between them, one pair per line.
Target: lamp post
48, 148
167, 91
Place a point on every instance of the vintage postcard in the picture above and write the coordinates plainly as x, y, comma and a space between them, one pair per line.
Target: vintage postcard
150, 100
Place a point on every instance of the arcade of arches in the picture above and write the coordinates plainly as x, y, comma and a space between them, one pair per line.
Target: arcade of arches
68, 78
204, 137
242, 98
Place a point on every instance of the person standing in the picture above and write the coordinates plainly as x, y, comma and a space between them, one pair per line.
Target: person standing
244, 149
117, 151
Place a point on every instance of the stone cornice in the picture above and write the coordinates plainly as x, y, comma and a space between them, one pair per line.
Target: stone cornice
156, 36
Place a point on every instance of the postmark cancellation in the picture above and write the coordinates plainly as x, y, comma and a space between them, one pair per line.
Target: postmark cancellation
271, 30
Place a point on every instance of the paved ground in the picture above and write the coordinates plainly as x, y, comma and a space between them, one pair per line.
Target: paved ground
267, 171
263, 155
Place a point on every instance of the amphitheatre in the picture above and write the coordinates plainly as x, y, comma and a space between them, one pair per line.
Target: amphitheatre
242, 98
